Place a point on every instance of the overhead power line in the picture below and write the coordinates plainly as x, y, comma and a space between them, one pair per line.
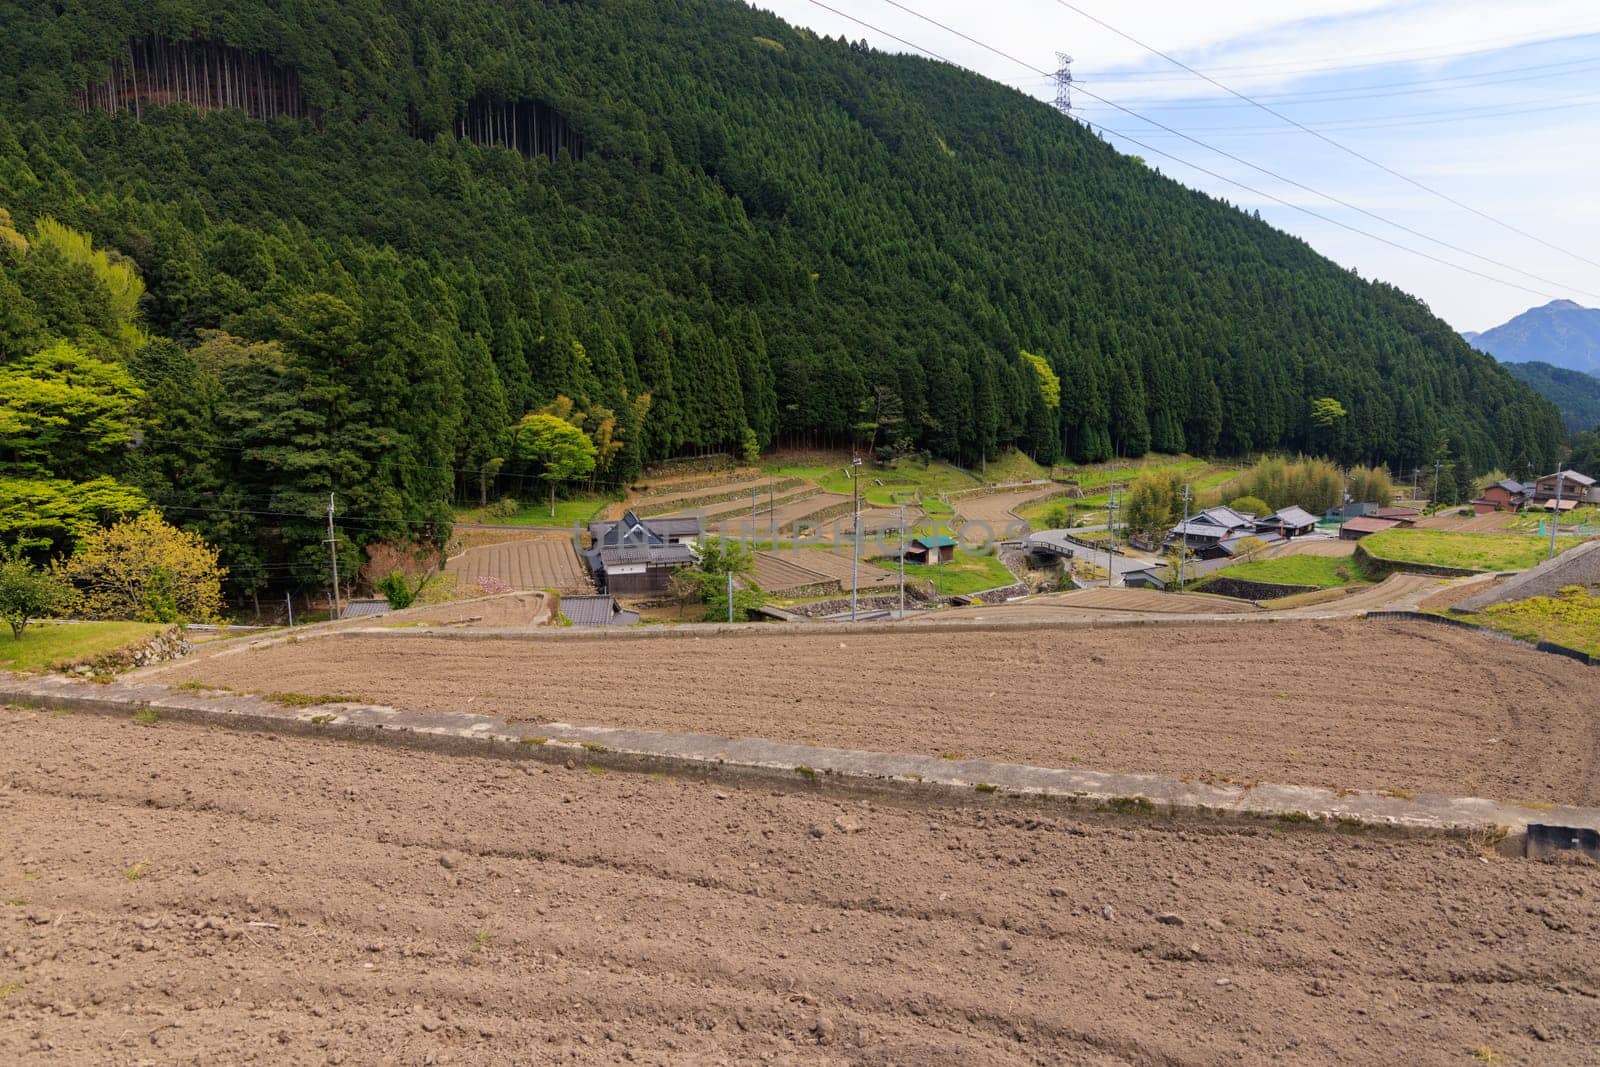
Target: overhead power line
1401, 57
1263, 170
1415, 118
1341, 146
1364, 92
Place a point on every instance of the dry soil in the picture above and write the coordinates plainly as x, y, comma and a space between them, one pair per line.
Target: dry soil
1304, 702
177, 893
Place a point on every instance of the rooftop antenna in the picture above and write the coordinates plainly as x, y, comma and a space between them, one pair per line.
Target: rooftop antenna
1063, 79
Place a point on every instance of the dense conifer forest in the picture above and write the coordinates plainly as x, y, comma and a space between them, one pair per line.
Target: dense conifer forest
368, 237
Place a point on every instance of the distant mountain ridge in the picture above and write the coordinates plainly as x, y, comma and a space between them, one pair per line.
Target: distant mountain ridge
1561, 333
1576, 394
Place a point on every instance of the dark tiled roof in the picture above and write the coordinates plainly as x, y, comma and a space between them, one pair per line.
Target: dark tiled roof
596, 611
1294, 515
632, 530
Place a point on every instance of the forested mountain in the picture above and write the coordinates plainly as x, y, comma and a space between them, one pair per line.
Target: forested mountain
1560, 333
1575, 394
372, 235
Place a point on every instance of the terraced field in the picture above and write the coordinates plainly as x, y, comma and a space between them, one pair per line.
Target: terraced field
535, 563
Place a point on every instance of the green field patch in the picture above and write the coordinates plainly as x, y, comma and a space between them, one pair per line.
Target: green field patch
1013, 466
904, 482
47, 645
969, 572
1319, 572
579, 509
1571, 618
1466, 551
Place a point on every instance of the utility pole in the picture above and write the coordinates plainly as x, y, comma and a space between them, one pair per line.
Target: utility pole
902, 562
288, 600
1344, 500
730, 595
1111, 537
753, 493
855, 531
1555, 520
1437, 465
333, 557
1183, 537
1063, 79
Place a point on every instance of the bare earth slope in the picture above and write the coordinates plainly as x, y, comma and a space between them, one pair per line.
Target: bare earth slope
308, 902
1300, 702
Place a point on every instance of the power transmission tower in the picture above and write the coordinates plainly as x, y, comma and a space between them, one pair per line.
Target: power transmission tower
1063, 79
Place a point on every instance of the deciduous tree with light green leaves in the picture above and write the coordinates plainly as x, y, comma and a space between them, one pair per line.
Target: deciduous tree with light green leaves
27, 592
559, 451
146, 570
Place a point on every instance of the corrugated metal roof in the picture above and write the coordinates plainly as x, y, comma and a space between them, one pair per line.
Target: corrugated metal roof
934, 541
357, 609
1370, 524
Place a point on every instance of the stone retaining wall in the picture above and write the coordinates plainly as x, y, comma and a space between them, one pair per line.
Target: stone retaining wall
169, 644
1241, 589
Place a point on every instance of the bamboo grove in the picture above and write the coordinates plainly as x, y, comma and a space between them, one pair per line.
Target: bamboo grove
711, 227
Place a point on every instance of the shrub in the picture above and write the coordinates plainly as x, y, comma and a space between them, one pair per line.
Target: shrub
27, 592
1251, 505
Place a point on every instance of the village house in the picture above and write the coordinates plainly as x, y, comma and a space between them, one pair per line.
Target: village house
1504, 495
1292, 521
1565, 490
1365, 525
1406, 517
635, 558
1203, 534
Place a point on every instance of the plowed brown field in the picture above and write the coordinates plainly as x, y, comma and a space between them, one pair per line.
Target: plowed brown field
178, 894
542, 563
1291, 701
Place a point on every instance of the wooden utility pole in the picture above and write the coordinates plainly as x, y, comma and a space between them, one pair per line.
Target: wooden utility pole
333, 557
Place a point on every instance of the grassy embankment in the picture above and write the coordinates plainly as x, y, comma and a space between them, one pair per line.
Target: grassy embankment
579, 509
1466, 551
46, 645
969, 572
1321, 572
1571, 618
907, 482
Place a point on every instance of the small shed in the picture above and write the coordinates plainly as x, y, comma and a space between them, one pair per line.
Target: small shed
1356, 529
938, 548
596, 611
365, 607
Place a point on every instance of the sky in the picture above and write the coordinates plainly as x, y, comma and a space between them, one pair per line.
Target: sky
1493, 105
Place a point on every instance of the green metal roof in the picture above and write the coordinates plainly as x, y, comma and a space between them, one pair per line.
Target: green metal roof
937, 541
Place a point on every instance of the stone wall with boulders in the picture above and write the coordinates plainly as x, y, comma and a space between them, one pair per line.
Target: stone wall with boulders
169, 644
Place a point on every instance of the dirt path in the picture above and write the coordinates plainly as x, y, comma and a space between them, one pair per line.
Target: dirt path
1293, 702
304, 901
